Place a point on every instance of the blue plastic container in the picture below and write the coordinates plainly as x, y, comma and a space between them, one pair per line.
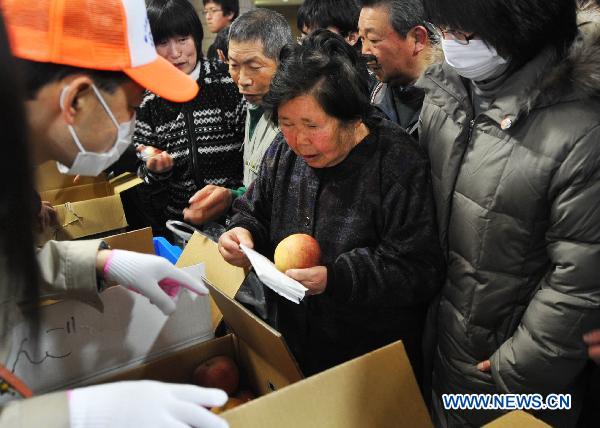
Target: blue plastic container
165, 249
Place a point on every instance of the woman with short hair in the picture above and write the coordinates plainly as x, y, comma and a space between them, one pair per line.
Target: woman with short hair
200, 139
360, 185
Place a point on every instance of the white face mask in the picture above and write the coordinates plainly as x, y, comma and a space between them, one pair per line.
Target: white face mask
92, 163
476, 61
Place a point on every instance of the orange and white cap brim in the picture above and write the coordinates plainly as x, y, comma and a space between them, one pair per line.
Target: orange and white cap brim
96, 34
148, 69
166, 81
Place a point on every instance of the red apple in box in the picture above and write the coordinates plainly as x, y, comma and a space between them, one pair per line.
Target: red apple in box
298, 251
218, 372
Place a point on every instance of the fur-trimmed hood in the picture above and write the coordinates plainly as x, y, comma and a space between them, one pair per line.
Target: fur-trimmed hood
579, 70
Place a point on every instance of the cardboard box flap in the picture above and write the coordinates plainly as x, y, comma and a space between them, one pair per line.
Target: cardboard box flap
79, 219
370, 391
77, 193
226, 277
124, 182
49, 178
138, 240
518, 418
265, 341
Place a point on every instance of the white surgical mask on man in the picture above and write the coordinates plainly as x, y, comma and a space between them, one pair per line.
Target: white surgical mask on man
91, 163
474, 61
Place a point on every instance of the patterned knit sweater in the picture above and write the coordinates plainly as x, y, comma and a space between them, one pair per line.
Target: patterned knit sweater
204, 136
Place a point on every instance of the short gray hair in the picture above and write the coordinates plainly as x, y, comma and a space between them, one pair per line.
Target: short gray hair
265, 26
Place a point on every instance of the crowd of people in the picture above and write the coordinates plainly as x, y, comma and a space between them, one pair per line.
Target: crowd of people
442, 153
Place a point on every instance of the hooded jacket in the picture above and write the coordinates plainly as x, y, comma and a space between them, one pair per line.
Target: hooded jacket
517, 190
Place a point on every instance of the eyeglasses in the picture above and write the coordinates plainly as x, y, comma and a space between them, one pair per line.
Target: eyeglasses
461, 37
211, 11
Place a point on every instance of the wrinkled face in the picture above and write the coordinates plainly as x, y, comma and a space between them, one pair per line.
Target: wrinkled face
215, 18
393, 53
179, 51
250, 69
312, 134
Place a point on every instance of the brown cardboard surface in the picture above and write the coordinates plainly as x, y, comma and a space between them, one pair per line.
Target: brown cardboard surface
77, 193
138, 240
375, 390
228, 278
518, 418
88, 207
85, 218
48, 178
265, 344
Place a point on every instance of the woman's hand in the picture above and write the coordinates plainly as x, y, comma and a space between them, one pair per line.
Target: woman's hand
592, 339
314, 278
157, 163
229, 246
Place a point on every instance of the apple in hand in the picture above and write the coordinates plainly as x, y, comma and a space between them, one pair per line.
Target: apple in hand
298, 251
147, 152
218, 372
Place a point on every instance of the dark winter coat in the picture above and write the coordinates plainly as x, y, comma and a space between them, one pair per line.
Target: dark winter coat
517, 192
373, 217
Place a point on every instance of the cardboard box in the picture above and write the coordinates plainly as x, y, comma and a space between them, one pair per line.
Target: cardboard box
76, 343
90, 207
517, 418
376, 389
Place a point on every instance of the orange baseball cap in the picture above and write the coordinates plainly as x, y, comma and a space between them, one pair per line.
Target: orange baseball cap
96, 34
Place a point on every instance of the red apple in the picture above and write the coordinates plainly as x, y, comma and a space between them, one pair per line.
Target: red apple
218, 372
298, 251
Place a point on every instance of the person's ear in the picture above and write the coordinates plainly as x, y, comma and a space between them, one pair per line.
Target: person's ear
73, 97
230, 17
421, 38
352, 38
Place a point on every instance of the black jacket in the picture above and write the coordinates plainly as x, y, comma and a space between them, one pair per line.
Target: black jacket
373, 216
204, 136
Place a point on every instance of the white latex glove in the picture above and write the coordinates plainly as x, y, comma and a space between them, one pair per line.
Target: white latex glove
151, 276
145, 404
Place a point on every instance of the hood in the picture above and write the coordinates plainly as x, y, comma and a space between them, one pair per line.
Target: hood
578, 73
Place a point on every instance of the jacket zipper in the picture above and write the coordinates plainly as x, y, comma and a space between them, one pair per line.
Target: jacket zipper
193, 149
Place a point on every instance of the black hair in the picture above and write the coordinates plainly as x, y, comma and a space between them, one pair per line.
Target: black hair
173, 18
265, 26
328, 68
341, 14
228, 6
518, 29
221, 42
19, 273
404, 14
36, 75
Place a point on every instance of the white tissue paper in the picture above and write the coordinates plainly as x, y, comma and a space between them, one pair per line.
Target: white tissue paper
272, 278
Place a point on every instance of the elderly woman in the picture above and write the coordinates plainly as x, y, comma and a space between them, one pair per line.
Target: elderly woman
360, 186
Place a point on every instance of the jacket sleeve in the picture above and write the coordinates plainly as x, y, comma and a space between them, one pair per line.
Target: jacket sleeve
252, 210
566, 305
68, 269
405, 267
48, 410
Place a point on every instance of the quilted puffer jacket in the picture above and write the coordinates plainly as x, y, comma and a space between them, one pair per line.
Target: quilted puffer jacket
517, 190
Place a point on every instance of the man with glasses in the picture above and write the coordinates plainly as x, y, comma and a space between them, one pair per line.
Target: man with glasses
395, 35
219, 15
